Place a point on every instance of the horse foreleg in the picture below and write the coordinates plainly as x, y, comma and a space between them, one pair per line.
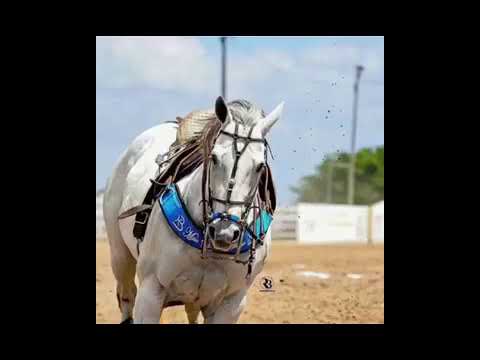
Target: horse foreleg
150, 300
192, 313
228, 311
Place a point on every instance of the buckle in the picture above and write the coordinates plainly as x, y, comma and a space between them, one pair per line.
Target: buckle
144, 221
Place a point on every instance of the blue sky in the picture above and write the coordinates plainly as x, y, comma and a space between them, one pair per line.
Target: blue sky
143, 81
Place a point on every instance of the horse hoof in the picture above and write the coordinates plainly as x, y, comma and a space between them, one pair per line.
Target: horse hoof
127, 321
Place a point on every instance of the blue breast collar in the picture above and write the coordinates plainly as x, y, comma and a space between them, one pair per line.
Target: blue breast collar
177, 217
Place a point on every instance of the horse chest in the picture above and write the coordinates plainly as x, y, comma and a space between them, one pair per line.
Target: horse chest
199, 286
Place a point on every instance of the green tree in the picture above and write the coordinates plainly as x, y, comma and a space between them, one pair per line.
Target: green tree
369, 178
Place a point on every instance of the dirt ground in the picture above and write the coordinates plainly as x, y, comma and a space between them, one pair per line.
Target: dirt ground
347, 286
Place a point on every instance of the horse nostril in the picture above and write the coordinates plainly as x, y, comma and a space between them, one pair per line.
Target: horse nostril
236, 234
211, 232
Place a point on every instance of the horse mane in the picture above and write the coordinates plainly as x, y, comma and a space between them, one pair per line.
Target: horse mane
201, 127
244, 112
207, 139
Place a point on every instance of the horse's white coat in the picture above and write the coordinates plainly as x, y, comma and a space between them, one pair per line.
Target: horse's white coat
168, 269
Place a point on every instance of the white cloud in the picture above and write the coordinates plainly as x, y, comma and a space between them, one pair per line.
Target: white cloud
337, 61
182, 64
331, 56
260, 65
167, 63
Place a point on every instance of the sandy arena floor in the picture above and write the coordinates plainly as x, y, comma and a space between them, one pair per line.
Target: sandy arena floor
347, 286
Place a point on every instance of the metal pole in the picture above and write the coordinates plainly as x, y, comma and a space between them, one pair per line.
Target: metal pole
329, 183
351, 177
223, 41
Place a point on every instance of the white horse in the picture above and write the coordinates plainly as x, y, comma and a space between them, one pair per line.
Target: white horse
169, 270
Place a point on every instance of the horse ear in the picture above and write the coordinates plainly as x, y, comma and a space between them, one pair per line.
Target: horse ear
221, 109
271, 119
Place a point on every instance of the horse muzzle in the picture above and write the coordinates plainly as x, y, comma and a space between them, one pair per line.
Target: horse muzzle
224, 233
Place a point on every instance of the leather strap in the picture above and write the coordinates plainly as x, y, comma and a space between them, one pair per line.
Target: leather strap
134, 211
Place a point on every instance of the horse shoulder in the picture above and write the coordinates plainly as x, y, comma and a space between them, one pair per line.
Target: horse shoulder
139, 162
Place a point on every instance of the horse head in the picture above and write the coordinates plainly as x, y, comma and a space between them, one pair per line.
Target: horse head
236, 162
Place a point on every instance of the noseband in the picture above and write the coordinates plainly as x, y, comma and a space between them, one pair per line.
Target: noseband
209, 215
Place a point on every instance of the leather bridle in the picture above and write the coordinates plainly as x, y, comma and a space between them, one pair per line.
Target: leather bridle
209, 215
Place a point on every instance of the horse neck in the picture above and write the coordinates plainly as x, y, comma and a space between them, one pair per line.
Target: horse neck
190, 189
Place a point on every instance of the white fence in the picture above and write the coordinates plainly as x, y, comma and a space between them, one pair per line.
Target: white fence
377, 222
285, 223
330, 223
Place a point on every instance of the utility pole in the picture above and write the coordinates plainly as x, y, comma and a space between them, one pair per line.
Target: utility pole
329, 182
223, 41
330, 172
351, 177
